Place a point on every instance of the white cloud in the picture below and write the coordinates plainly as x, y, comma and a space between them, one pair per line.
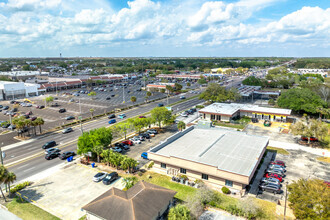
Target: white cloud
187, 23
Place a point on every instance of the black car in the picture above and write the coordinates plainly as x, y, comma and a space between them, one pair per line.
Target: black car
122, 146
6, 125
270, 188
110, 178
12, 102
52, 150
112, 116
49, 144
67, 154
128, 91
160, 105
5, 108
112, 95
62, 110
52, 155
108, 98
145, 135
15, 109
70, 117
1, 106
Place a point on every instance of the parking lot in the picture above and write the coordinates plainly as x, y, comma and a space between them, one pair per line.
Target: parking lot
66, 191
299, 164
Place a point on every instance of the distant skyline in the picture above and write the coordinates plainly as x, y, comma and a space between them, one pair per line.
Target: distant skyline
164, 28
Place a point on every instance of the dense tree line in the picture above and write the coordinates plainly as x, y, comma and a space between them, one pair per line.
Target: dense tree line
313, 63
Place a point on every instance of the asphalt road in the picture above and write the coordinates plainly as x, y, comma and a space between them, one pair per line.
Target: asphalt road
28, 159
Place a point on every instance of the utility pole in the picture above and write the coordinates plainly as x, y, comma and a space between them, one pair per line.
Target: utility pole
80, 117
2, 156
56, 86
286, 196
123, 94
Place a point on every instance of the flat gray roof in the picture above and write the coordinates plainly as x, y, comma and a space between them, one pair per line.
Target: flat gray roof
231, 151
231, 108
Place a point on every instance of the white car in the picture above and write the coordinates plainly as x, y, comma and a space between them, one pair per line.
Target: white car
183, 114
99, 176
135, 140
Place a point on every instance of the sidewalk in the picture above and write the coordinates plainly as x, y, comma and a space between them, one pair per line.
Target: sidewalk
292, 146
6, 215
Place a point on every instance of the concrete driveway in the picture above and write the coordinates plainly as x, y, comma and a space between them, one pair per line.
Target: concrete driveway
66, 191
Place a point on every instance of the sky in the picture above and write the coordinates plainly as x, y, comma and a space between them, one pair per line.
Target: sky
164, 28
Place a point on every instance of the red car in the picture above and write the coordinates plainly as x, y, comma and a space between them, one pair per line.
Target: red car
311, 138
273, 175
128, 142
278, 162
142, 116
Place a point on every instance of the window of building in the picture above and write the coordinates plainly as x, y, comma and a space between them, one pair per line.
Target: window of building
163, 165
205, 177
218, 117
229, 183
184, 171
212, 117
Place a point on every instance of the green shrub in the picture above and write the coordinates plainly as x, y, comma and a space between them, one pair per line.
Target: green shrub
184, 177
151, 165
225, 190
20, 186
200, 106
140, 173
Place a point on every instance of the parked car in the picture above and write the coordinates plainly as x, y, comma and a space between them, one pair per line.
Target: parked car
113, 95
67, 154
116, 149
51, 156
70, 117
128, 142
112, 116
52, 150
276, 171
54, 105
112, 121
144, 155
275, 166
28, 113
5, 108
271, 180
184, 114
108, 98
140, 137
145, 135
122, 116
152, 131
40, 106
270, 188
67, 130
182, 97
99, 176
62, 110
49, 144
110, 178
12, 127
122, 146
160, 105
135, 140
273, 175
278, 162
33, 118
311, 138
71, 100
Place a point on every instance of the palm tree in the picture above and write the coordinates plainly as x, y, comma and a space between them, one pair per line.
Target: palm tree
181, 125
124, 164
34, 124
3, 177
149, 94
129, 181
28, 123
91, 111
106, 156
131, 164
98, 150
11, 177
179, 212
18, 122
133, 99
40, 122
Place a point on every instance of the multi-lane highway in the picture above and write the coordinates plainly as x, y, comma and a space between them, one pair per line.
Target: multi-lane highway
28, 159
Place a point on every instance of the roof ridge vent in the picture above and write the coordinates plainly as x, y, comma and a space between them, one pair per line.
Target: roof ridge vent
210, 146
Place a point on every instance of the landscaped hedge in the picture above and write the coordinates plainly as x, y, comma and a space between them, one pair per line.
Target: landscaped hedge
20, 186
225, 190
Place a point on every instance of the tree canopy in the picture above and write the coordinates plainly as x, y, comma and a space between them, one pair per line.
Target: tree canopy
309, 199
97, 137
252, 81
216, 93
161, 115
301, 100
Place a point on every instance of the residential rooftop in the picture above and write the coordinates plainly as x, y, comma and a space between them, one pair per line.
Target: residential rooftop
231, 151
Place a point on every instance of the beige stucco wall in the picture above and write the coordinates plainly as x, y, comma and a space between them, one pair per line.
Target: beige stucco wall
195, 171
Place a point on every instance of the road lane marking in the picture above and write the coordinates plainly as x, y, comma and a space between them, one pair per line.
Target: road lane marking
29, 169
22, 166
67, 144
